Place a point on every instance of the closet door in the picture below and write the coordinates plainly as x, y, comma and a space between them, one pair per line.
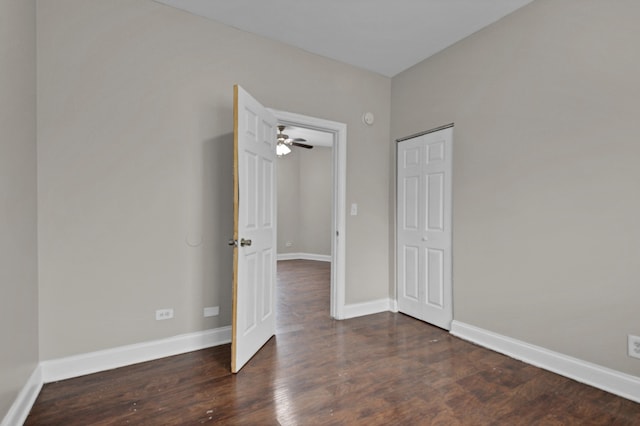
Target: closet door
423, 250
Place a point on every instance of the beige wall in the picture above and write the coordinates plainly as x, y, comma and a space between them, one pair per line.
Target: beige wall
18, 253
316, 184
135, 121
546, 206
289, 202
305, 183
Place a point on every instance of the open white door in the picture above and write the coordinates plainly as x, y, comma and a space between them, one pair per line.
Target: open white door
254, 233
424, 283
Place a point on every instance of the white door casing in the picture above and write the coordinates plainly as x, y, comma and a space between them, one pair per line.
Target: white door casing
255, 231
424, 231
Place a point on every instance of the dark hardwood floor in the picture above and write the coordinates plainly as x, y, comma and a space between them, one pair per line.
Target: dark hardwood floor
383, 369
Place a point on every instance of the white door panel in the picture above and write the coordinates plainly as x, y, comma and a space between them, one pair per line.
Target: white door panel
424, 227
254, 228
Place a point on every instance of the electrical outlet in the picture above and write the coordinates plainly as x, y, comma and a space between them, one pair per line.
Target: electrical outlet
212, 311
164, 314
634, 346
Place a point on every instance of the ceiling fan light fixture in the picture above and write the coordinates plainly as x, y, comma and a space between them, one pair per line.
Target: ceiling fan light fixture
285, 143
282, 149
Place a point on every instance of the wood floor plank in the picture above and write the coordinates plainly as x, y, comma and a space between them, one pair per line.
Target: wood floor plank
375, 370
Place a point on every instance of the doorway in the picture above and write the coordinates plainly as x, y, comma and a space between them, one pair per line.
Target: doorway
338, 142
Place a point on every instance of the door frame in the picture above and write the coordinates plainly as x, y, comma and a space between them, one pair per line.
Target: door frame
339, 159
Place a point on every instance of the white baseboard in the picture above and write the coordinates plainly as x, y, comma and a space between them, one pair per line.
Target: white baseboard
366, 308
21, 407
624, 385
93, 362
304, 256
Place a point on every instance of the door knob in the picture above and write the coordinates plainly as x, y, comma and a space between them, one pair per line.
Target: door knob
244, 242
232, 242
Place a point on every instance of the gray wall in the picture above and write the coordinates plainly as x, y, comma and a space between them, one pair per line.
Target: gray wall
135, 121
289, 202
18, 195
546, 205
305, 183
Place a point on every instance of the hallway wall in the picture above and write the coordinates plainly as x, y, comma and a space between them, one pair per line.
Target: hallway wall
305, 189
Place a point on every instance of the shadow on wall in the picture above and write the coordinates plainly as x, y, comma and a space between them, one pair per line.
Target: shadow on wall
217, 228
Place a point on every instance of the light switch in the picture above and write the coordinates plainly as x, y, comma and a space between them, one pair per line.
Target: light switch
354, 209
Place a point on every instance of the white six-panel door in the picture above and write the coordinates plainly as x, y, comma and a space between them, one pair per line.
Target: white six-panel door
254, 228
424, 282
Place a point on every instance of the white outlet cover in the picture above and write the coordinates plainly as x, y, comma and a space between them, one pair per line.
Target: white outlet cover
211, 311
164, 314
634, 346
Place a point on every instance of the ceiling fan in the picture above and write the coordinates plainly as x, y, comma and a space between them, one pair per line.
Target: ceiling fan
285, 143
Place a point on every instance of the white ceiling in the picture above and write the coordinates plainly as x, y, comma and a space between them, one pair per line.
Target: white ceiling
382, 36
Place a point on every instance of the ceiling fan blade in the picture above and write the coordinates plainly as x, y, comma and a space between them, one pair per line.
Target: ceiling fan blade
302, 145
298, 140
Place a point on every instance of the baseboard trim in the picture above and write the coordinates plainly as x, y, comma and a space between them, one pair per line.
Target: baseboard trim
366, 308
93, 362
618, 383
21, 407
304, 256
